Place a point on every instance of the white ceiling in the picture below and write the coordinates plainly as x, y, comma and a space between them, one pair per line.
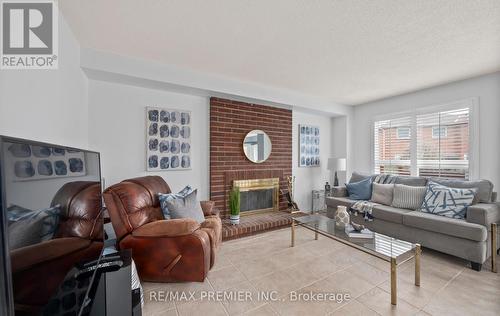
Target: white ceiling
350, 51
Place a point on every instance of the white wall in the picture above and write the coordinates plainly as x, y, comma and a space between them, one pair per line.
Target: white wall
339, 143
310, 178
47, 105
117, 131
487, 88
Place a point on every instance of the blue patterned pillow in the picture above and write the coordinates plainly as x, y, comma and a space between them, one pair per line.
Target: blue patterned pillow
164, 197
27, 227
445, 201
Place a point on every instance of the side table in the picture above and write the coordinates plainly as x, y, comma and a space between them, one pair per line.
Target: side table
319, 200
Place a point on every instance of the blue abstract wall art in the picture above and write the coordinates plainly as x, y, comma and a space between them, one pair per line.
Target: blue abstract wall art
309, 146
168, 139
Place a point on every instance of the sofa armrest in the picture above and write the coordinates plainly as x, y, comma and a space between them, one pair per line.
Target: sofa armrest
167, 228
47, 252
339, 191
483, 214
209, 208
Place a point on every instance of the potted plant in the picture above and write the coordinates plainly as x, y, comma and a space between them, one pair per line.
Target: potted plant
234, 206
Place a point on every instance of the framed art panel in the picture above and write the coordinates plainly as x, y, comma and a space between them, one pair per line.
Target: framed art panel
168, 139
309, 146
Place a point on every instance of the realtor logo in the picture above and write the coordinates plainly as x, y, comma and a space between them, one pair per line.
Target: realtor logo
29, 35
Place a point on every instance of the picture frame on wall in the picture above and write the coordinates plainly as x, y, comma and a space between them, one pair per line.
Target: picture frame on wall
168, 139
309, 140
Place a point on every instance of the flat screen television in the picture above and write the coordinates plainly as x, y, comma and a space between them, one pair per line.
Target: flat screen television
51, 203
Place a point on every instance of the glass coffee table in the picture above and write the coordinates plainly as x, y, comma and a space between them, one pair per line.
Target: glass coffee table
387, 248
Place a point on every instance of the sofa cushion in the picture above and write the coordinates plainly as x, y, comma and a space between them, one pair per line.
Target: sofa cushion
484, 188
357, 176
382, 193
384, 178
444, 225
361, 190
336, 201
409, 197
445, 201
411, 181
340, 191
389, 213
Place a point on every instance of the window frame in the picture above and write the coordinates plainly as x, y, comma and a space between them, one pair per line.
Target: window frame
408, 128
473, 156
439, 134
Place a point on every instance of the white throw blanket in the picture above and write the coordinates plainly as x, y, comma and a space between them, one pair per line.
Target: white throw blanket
363, 207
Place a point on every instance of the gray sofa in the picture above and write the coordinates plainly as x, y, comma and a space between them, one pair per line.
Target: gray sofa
468, 238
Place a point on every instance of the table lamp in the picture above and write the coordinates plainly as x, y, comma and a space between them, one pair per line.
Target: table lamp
336, 164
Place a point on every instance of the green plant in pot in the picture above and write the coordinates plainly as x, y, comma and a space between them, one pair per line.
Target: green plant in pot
234, 206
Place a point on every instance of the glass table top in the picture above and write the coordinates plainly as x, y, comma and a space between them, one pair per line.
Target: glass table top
379, 245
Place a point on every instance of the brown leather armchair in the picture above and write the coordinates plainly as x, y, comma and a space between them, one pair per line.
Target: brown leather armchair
38, 270
163, 250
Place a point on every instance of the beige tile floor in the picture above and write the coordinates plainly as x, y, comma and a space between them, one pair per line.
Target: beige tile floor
267, 263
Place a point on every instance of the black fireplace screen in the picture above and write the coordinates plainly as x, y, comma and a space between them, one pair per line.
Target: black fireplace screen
256, 200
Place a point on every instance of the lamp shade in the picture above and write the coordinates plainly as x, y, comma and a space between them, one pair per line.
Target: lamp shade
337, 164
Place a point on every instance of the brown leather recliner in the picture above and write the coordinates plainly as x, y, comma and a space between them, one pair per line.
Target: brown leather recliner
38, 270
163, 250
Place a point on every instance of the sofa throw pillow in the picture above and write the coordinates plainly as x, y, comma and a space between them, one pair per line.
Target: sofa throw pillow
163, 197
408, 197
357, 176
28, 227
484, 188
445, 201
384, 179
382, 193
186, 207
361, 190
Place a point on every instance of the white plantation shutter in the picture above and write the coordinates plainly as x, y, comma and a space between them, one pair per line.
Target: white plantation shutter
392, 152
443, 144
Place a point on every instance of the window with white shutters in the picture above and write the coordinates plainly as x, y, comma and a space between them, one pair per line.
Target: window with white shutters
391, 151
431, 142
443, 144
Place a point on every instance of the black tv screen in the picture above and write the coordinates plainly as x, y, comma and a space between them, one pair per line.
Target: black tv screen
51, 206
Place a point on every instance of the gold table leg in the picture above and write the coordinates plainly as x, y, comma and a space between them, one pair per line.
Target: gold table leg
293, 233
494, 247
418, 251
394, 286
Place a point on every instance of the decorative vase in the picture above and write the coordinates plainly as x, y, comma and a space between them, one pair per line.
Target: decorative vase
342, 218
234, 219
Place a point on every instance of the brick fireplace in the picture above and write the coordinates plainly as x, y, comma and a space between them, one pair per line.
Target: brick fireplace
258, 195
230, 121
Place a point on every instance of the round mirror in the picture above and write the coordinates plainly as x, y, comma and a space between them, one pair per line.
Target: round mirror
257, 146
